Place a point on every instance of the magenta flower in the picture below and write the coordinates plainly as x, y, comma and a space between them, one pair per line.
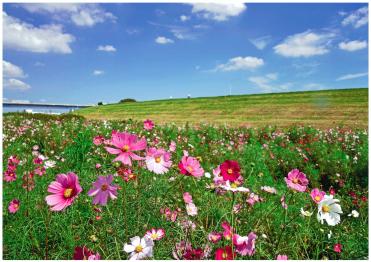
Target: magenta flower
281, 257
187, 198
64, 191
215, 237
148, 124
296, 180
245, 245
9, 175
317, 195
190, 166
155, 234
228, 230
98, 140
13, 206
125, 144
172, 146
102, 189
158, 160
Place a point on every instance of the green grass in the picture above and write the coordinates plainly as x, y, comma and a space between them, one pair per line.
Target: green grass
324, 109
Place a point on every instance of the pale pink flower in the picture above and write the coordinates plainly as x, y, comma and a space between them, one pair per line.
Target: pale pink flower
215, 237
281, 257
148, 124
155, 234
191, 209
253, 198
64, 191
245, 245
269, 189
13, 206
190, 166
283, 203
98, 140
172, 146
97, 166
317, 195
187, 198
296, 180
126, 144
228, 230
102, 189
158, 160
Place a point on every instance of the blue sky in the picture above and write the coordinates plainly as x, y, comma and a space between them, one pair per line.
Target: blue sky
85, 53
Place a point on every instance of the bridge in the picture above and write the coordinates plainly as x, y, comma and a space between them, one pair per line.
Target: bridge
45, 105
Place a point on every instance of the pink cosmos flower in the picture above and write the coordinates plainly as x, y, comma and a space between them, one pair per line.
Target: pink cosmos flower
337, 248
13, 160
281, 257
97, 166
187, 198
9, 175
38, 161
317, 195
13, 206
158, 160
245, 245
283, 203
40, 171
296, 180
172, 146
125, 144
228, 230
98, 140
191, 209
102, 189
253, 198
148, 124
215, 237
64, 191
190, 166
155, 234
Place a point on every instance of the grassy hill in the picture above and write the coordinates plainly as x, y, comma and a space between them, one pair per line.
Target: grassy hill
348, 107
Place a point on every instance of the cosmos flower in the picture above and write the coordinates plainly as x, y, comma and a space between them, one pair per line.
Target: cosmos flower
228, 230
296, 180
139, 248
191, 209
172, 146
215, 237
230, 170
187, 198
158, 160
64, 191
224, 253
102, 189
354, 214
338, 247
252, 199
13, 206
328, 210
98, 140
317, 195
148, 124
9, 175
155, 234
83, 253
269, 189
281, 257
245, 245
126, 144
190, 166
234, 187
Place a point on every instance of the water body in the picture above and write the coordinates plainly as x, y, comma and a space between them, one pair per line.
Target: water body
38, 109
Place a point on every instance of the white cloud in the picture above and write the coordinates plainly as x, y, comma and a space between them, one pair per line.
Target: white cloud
106, 48
39, 64
357, 18
98, 72
266, 83
218, 11
163, 40
305, 44
15, 84
240, 63
11, 70
22, 36
351, 76
184, 18
353, 45
80, 14
261, 42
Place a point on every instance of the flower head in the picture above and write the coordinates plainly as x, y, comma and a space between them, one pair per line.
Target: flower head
190, 166
296, 180
64, 191
281, 257
9, 175
126, 144
98, 140
102, 189
317, 195
187, 198
329, 210
234, 187
148, 124
13, 206
139, 248
158, 160
215, 237
269, 189
230, 170
155, 234
228, 230
172, 146
224, 253
191, 209
338, 247
245, 245
83, 253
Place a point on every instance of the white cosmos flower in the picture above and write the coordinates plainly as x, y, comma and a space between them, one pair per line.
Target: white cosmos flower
354, 214
49, 164
207, 174
191, 209
328, 210
234, 187
305, 213
139, 248
329, 235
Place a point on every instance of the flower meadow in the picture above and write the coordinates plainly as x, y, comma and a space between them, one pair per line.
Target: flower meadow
79, 189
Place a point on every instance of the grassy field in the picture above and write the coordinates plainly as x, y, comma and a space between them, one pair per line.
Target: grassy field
323, 109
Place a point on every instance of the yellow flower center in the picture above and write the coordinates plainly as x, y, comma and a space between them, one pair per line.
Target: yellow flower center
125, 148
224, 255
234, 185
190, 169
158, 159
154, 236
229, 171
68, 192
11, 174
317, 198
15, 205
104, 187
138, 249
295, 181
325, 208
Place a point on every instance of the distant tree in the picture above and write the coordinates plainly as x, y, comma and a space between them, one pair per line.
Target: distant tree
127, 100
100, 103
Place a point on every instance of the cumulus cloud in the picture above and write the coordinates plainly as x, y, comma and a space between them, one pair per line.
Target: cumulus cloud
305, 44
356, 18
240, 63
15, 84
163, 40
11, 70
98, 72
353, 45
351, 76
267, 83
80, 14
218, 11
106, 48
22, 36
184, 18
261, 42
